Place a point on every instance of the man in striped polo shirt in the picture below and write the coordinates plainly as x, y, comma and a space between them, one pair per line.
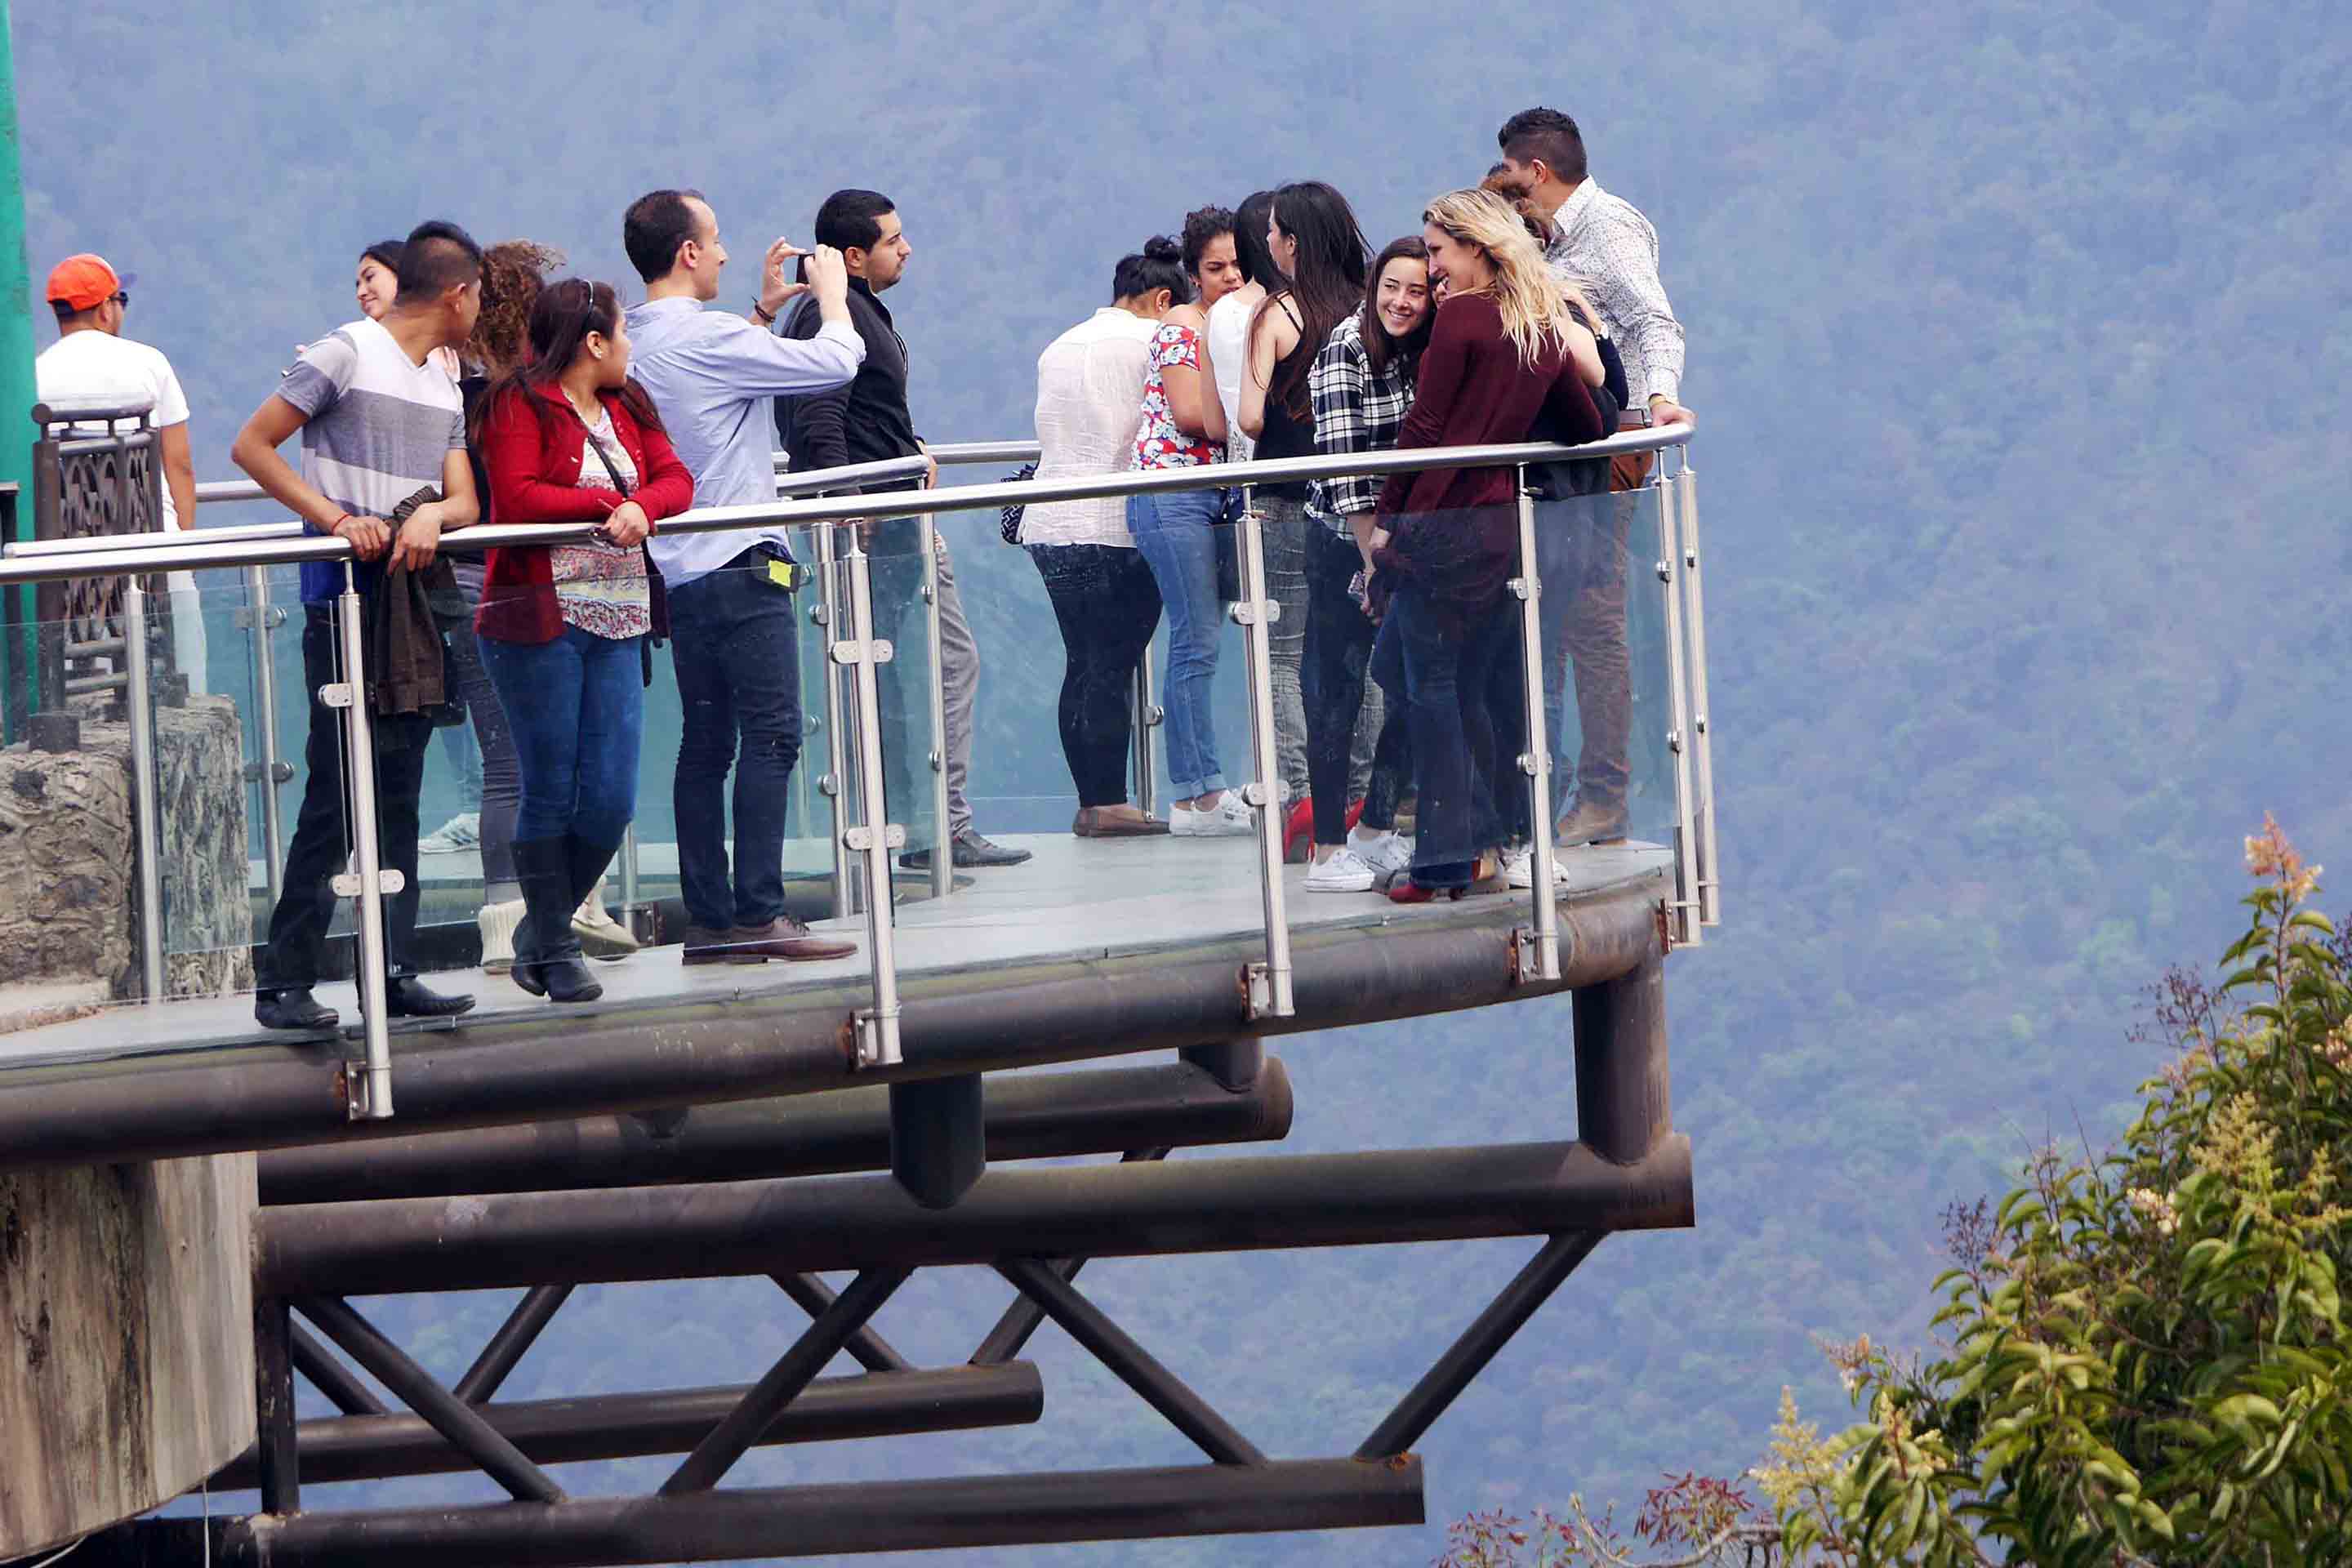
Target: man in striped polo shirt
380, 422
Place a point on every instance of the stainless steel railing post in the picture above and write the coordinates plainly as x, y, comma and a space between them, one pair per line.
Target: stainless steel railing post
860, 653
826, 613
1686, 911
263, 621
942, 838
1145, 718
1535, 761
368, 1091
1710, 874
1269, 982
629, 880
147, 811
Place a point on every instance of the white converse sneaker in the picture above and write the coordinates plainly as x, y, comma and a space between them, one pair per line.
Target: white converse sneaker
499, 922
1520, 867
1231, 818
1345, 872
1387, 855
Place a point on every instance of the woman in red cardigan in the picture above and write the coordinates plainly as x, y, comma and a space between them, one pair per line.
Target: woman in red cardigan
571, 438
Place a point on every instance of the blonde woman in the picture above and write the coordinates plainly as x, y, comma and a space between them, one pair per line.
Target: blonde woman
1504, 351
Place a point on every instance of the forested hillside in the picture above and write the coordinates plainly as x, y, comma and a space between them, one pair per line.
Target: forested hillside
2019, 338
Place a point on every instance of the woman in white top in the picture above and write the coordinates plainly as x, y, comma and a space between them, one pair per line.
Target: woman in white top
1227, 339
1090, 384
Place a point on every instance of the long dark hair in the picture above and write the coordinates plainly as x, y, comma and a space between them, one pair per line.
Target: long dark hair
1380, 346
1249, 240
565, 314
1327, 280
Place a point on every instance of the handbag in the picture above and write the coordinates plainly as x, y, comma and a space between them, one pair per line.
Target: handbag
1008, 524
653, 575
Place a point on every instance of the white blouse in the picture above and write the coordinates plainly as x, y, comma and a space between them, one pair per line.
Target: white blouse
1090, 405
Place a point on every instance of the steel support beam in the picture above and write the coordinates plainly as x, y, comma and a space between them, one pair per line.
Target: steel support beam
1487, 1334
794, 1371
1024, 1315
1622, 1102
628, 1425
966, 1513
273, 1372
460, 1423
938, 1136
863, 1222
1234, 1063
1129, 1362
867, 1348
330, 1377
1031, 1116
507, 1346
268, 1094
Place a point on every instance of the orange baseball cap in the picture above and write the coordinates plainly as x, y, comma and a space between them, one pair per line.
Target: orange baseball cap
81, 281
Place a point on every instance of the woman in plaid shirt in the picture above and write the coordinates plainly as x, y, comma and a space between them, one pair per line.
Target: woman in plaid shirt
1361, 389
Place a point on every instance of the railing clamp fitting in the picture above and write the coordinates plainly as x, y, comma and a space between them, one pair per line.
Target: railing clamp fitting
347, 884
1257, 989
877, 1046
861, 839
872, 651
355, 1075
335, 694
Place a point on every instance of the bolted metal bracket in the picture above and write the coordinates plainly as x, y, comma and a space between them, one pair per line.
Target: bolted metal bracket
818, 614
1530, 764
355, 1090
874, 650
1533, 957
279, 773
1256, 794
828, 784
938, 762
1675, 741
1153, 716
346, 884
876, 1046
267, 620
1522, 589
1665, 571
336, 694
861, 839
1257, 990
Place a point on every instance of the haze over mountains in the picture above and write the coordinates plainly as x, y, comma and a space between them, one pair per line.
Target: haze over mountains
2019, 340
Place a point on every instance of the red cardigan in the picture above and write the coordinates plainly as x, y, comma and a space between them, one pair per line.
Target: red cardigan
534, 467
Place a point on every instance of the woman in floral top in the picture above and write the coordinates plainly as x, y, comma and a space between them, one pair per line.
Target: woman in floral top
571, 438
1183, 426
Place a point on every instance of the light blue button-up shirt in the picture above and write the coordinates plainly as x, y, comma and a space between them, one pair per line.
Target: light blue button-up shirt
712, 374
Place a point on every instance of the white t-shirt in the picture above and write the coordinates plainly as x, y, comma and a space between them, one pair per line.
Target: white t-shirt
1089, 402
1229, 320
101, 369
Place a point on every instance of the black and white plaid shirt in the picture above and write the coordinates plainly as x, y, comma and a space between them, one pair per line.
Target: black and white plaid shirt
1355, 411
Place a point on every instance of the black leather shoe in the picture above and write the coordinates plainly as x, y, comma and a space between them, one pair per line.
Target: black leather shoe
971, 850
407, 998
294, 1009
558, 979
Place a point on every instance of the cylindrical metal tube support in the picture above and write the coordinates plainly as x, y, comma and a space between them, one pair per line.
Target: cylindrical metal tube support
1147, 717
1710, 874
265, 697
877, 1028
374, 1102
1543, 960
629, 880
1678, 737
1624, 1109
147, 812
827, 613
942, 840
1269, 983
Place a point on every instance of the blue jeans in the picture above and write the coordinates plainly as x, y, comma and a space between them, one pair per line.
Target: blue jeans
735, 648
1446, 682
1176, 534
576, 706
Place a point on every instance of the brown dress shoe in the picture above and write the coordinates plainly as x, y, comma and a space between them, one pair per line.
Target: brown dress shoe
1093, 822
704, 945
785, 937
1591, 824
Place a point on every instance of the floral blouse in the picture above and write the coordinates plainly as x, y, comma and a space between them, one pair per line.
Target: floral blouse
600, 587
1160, 442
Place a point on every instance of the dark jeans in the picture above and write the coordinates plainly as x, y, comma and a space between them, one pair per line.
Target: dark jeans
1580, 553
735, 649
1107, 603
579, 715
306, 906
1446, 679
500, 795
1338, 648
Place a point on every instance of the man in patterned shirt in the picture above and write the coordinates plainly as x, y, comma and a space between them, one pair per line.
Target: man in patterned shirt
1608, 248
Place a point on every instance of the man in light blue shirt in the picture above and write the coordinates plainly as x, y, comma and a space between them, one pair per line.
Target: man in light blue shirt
734, 640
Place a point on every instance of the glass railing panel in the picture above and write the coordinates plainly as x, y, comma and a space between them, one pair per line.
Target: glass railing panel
907, 589
1087, 887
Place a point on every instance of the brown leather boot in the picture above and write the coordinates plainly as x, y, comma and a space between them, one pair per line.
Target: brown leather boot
786, 938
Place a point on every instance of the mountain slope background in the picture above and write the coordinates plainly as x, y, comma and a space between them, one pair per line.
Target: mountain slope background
2019, 340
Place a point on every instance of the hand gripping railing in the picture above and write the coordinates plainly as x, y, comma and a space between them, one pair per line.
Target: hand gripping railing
1675, 499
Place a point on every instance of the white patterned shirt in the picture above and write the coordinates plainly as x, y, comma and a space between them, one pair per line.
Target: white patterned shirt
1604, 244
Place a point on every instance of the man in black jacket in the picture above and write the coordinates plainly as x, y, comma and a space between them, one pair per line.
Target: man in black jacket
865, 421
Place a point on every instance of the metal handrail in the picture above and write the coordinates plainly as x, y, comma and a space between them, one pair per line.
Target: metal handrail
195, 553
814, 482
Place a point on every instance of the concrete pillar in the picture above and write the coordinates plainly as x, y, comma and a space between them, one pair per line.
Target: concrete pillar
126, 1340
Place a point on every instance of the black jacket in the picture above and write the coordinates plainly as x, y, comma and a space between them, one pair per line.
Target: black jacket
867, 421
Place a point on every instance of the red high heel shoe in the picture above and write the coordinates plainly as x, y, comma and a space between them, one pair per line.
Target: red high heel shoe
1298, 831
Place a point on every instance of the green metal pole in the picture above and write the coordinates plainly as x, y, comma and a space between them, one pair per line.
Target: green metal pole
16, 649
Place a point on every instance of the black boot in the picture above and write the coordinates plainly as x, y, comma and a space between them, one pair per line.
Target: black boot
547, 956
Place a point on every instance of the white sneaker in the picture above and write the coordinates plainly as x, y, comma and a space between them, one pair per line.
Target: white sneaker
601, 936
1520, 867
1231, 818
461, 832
1387, 855
499, 923
1345, 872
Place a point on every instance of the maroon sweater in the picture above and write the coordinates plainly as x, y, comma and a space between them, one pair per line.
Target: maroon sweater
1453, 532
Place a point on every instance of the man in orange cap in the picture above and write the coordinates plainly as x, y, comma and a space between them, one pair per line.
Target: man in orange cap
93, 364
